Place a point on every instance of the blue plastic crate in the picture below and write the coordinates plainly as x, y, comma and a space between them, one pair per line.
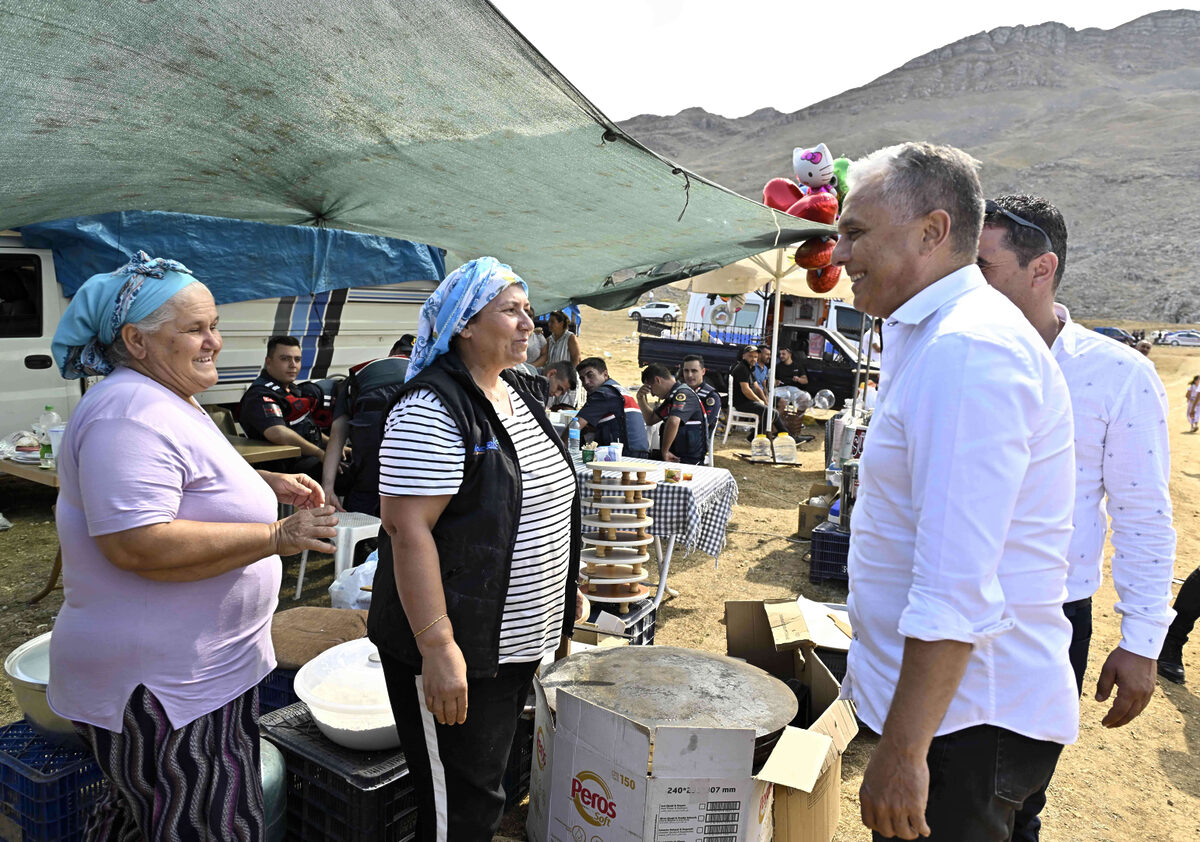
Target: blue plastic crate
830, 548
277, 690
46, 790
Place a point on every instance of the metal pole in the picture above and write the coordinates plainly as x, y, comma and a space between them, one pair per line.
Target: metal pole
771, 374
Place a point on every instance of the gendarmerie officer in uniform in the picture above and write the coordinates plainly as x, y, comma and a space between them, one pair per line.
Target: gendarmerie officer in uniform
685, 432
273, 409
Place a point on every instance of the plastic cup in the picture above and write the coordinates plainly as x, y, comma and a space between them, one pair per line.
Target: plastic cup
56, 437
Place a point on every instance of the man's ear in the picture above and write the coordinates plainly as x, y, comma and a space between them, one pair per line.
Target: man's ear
1043, 268
935, 231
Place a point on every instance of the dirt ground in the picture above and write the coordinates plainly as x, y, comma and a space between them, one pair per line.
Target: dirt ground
1141, 782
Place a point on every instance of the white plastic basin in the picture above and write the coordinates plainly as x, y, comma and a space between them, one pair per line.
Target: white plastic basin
346, 692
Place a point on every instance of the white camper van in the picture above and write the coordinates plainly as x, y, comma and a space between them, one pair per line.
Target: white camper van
336, 329
740, 318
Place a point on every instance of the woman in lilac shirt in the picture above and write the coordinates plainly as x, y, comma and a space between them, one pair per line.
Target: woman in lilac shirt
171, 567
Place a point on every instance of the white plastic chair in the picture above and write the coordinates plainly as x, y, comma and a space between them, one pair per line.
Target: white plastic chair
712, 440
733, 418
352, 527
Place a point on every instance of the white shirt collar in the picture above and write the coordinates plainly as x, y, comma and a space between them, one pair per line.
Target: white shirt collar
1065, 341
942, 291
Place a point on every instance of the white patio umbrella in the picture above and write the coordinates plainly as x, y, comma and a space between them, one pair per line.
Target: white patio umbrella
776, 268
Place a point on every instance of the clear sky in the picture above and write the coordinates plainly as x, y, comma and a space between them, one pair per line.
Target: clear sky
660, 56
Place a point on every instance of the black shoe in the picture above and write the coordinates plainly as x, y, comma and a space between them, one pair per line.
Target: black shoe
749, 438
1170, 662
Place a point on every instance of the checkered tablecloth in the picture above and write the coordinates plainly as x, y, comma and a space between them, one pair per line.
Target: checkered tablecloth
695, 512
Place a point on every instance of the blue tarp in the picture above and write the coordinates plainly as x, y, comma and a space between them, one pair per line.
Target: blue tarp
238, 261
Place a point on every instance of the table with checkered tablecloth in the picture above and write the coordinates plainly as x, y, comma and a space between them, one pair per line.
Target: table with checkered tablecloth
694, 513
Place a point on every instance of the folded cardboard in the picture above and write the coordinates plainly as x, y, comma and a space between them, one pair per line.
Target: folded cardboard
599, 776
810, 515
806, 765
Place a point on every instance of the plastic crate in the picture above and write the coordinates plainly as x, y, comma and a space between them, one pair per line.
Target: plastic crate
830, 547
520, 763
641, 631
46, 790
338, 794
835, 660
277, 690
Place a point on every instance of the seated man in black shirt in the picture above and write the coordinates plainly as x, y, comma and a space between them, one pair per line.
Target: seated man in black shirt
685, 432
273, 409
788, 372
611, 413
358, 414
748, 396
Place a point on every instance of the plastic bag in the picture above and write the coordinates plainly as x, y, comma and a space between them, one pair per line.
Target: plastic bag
347, 590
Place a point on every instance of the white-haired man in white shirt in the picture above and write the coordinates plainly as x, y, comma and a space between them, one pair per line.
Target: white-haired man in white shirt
959, 538
1122, 453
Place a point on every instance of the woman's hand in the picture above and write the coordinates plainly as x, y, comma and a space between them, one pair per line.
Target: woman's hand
298, 490
304, 531
444, 679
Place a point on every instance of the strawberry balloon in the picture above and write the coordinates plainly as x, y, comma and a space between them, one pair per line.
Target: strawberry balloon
823, 280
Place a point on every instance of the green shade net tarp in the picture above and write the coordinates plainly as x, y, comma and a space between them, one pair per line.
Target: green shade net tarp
426, 120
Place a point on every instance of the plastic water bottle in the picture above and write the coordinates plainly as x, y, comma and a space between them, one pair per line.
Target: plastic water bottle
785, 449
760, 448
833, 475
573, 432
49, 418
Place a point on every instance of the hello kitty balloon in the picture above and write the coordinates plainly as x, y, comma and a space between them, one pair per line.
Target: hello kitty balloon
814, 169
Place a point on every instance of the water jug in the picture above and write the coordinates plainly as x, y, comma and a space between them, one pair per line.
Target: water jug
760, 448
785, 449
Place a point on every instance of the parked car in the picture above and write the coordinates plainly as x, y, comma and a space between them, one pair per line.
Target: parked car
655, 310
1182, 337
1117, 334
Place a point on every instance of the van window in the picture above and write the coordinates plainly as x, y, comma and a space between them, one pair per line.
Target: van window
747, 316
20, 295
849, 322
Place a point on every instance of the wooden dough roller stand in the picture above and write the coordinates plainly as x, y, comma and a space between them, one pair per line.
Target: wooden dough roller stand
613, 562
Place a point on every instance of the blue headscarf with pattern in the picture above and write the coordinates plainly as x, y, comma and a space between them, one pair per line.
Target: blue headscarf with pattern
106, 302
465, 292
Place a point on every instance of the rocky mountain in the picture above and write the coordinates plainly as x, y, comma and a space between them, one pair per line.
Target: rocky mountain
1104, 123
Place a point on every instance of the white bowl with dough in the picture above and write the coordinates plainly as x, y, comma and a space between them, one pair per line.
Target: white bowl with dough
346, 692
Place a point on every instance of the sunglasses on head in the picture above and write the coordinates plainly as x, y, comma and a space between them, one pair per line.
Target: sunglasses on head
990, 208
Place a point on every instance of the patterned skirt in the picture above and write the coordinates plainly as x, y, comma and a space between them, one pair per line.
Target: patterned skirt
200, 783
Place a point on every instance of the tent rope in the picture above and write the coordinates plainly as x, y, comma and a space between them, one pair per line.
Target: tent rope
687, 192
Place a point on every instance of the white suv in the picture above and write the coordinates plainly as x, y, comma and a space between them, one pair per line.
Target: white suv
655, 310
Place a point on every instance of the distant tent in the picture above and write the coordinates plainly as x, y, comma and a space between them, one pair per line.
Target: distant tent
428, 120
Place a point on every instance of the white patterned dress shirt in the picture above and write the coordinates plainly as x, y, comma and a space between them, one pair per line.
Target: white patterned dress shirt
1122, 451
963, 517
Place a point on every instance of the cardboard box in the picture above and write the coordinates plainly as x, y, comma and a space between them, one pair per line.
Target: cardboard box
810, 516
605, 789
598, 776
806, 765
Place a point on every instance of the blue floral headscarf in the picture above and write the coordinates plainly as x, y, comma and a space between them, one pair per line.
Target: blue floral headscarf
465, 292
106, 302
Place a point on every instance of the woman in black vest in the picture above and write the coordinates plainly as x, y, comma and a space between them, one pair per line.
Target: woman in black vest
476, 580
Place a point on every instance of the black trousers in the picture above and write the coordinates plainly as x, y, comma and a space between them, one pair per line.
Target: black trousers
978, 778
1027, 826
458, 770
1187, 610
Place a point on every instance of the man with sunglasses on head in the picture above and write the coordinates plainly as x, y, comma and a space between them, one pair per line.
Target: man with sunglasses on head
1121, 453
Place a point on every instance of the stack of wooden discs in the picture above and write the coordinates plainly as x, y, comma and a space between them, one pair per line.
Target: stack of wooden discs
612, 565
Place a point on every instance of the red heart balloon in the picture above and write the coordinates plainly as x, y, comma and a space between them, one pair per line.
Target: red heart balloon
781, 193
816, 207
823, 280
815, 253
